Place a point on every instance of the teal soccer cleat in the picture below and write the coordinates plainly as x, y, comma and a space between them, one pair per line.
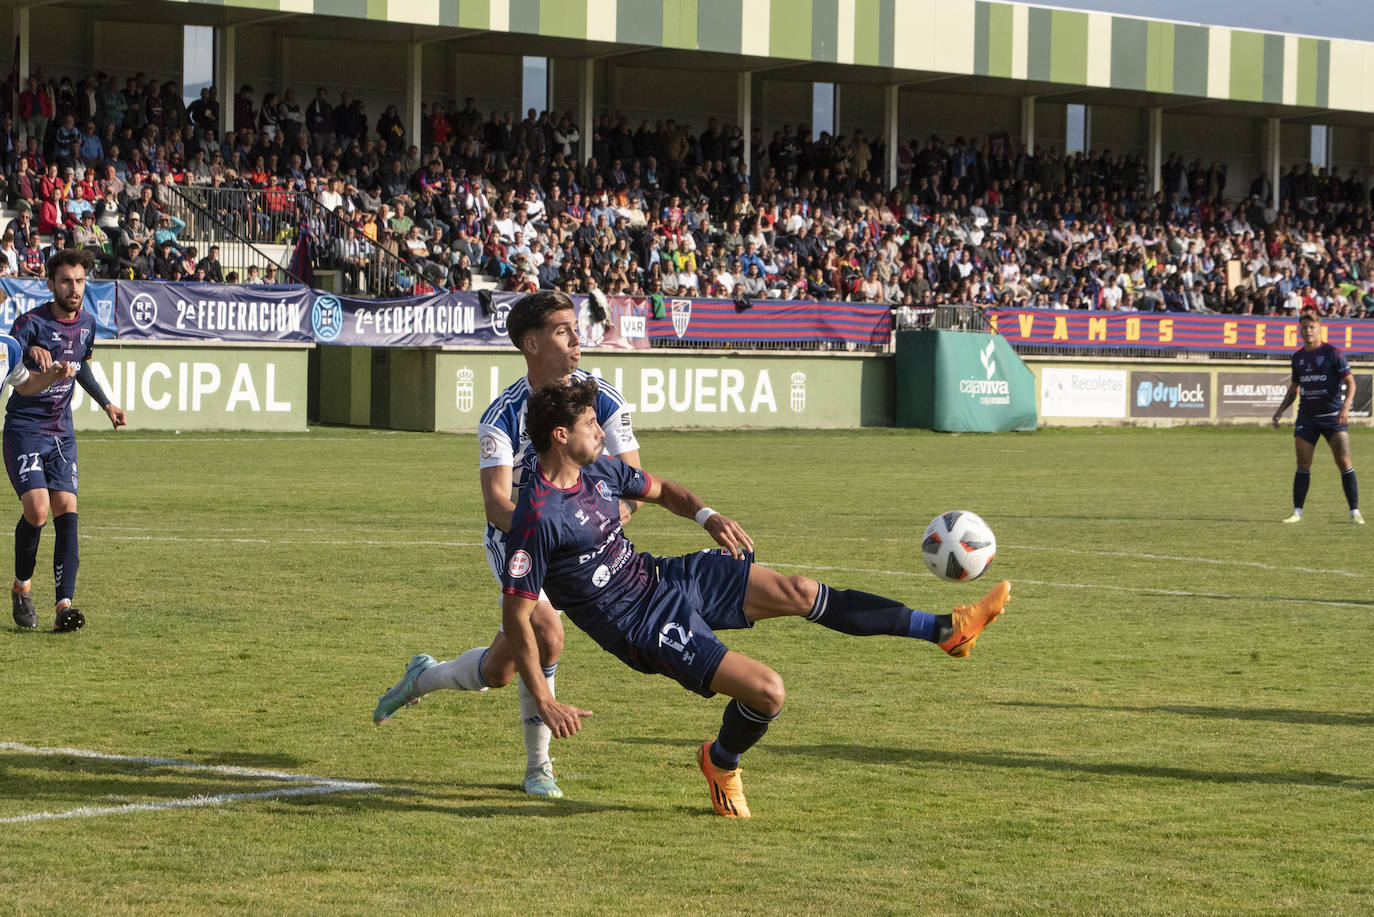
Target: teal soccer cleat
540, 782
400, 694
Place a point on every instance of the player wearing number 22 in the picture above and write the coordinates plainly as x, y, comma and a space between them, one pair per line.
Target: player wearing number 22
660, 614
39, 440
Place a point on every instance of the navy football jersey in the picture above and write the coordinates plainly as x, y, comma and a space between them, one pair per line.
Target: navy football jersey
1319, 374
571, 544
50, 411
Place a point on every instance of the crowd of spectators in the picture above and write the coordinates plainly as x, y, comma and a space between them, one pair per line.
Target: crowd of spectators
664, 210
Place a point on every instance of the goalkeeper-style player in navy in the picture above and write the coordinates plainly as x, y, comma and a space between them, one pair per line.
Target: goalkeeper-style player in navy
1325, 390
39, 441
660, 614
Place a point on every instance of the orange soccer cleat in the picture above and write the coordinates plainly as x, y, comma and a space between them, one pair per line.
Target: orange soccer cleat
969, 620
727, 790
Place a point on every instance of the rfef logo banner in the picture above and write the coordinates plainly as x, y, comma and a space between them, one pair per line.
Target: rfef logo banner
153, 310
437, 320
1175, 330
27, 294
1179, 395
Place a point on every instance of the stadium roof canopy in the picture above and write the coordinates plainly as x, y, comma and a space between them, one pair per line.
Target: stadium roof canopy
992, 48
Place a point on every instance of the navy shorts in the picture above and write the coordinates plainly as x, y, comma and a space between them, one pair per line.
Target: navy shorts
1309, 429
674, 634
40, 460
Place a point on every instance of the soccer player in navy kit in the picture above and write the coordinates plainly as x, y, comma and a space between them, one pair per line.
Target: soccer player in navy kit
39, 441
1322, 376
659, 614
543, 326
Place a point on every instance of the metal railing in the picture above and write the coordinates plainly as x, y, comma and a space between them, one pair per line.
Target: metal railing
205, 227
254, 222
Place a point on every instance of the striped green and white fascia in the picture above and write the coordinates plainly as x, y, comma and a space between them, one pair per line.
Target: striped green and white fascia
1012, 40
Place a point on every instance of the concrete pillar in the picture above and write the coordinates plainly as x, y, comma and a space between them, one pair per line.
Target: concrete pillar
284, 66
586, 89
890, 132
22, 32
414, 71
226, 41
1028, 124
1272, 139
1154, 143
744, 112
22, 35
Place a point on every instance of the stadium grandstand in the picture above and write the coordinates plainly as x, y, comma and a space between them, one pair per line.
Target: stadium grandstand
913, 153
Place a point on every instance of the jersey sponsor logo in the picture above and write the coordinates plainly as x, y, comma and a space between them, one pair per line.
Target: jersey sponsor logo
601, 576
582, 517
519, 564
604, 490
488, 444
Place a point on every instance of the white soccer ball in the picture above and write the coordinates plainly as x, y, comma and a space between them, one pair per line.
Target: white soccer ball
958, 546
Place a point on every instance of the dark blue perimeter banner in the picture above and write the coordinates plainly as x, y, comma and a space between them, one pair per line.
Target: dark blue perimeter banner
716, 321
445, 318
1176, 330
25, 295
163, 311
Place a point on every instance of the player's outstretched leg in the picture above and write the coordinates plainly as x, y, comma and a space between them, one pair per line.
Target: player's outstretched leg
863, 614
402, 694
968, 621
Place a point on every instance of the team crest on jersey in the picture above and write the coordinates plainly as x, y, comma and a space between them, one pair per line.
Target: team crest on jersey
604, 490
85, 333
519, 564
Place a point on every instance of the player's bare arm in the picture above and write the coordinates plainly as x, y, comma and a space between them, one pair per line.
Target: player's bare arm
680, 501
628, 507
1288, 399
562, 719
1349, 381
40, 381
497, 482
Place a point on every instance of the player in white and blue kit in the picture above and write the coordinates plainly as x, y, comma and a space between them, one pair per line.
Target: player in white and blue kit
659, 614
39, 439
1325, 388
544, 327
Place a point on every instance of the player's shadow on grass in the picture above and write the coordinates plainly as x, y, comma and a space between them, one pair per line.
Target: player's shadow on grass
461, 800
928, 757
57, 777
1260, 714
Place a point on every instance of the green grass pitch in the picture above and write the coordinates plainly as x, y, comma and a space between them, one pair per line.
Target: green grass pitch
1175, 716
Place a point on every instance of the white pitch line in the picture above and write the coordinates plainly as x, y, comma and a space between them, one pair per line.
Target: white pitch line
318, 785
97, 534
1192, 560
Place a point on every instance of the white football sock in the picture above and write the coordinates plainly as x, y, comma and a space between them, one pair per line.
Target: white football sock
461, 674
537, 735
